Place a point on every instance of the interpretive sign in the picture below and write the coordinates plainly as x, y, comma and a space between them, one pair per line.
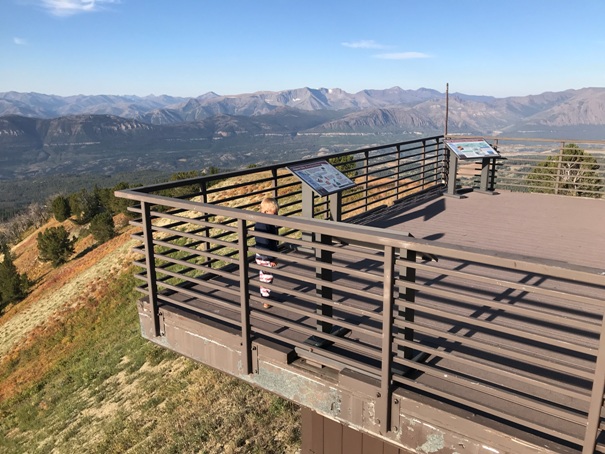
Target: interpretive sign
472, 148
322, 177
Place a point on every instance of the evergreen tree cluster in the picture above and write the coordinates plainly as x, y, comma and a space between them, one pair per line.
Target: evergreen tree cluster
94, 208
13, 285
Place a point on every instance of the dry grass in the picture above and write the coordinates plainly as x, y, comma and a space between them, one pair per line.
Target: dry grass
76, 376
57, 288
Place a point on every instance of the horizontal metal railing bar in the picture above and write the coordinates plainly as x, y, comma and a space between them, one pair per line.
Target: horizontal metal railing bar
573, 414
486, 390
376, 194
504, 373
319, 301
585, 188
365, 348
317, 281
166, 242
508, 310
340, 256
504, 329
183, 305
311, 329
187, 220
226, 200
197, 267
268, 179
216, 177
199, 253
211, 258
478, 406
324, 301
204, 283
496, 349
213, 240
552, 184
508, 284
416, 172
368, 369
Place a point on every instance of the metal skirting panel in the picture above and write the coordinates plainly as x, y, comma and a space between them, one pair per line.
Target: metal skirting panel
345, 400
321, 435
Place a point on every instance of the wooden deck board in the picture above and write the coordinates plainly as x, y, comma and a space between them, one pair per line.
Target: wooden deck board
545, 226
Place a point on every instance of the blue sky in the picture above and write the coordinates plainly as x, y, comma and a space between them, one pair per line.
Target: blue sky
191, 47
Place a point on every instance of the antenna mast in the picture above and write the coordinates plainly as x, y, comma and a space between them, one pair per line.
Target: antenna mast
447, 107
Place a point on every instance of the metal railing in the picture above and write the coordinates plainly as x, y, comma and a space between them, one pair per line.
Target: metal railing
515, 340
572, 168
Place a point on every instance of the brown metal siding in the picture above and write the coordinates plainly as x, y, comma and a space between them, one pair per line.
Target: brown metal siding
324, 436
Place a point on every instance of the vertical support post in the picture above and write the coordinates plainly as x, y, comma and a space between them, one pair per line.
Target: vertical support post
244, 292
274, 175
452, 172
204, 195
398, 178
559, 177
384, 396
325, 275
596, 398
424, 168
335, 202
486, 170
366, 163
438, 170
308, 208
408, 274
150, 263
444, 161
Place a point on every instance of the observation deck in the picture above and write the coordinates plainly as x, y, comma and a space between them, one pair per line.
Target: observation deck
402, 319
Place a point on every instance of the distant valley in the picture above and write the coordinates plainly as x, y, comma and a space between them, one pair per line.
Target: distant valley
42, 136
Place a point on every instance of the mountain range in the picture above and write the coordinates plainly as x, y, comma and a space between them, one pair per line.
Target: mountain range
52, 134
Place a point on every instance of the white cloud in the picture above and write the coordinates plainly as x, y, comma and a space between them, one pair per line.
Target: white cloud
364, 44
71, 7
402, 55
19, 41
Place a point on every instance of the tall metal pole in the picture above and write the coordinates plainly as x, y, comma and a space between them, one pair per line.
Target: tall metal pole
447, 107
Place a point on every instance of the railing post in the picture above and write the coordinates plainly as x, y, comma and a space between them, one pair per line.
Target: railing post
204, 196
335, 206
408, 274
559, 169
384, 397
596, 399
438, 171
366, 163
150, 263
242, 235
398, 179
325, 275
423, 164
274, 175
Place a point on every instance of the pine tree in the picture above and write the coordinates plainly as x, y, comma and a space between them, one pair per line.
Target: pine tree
13, 285
55, 245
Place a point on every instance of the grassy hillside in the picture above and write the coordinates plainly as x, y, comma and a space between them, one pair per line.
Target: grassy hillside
76, 376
